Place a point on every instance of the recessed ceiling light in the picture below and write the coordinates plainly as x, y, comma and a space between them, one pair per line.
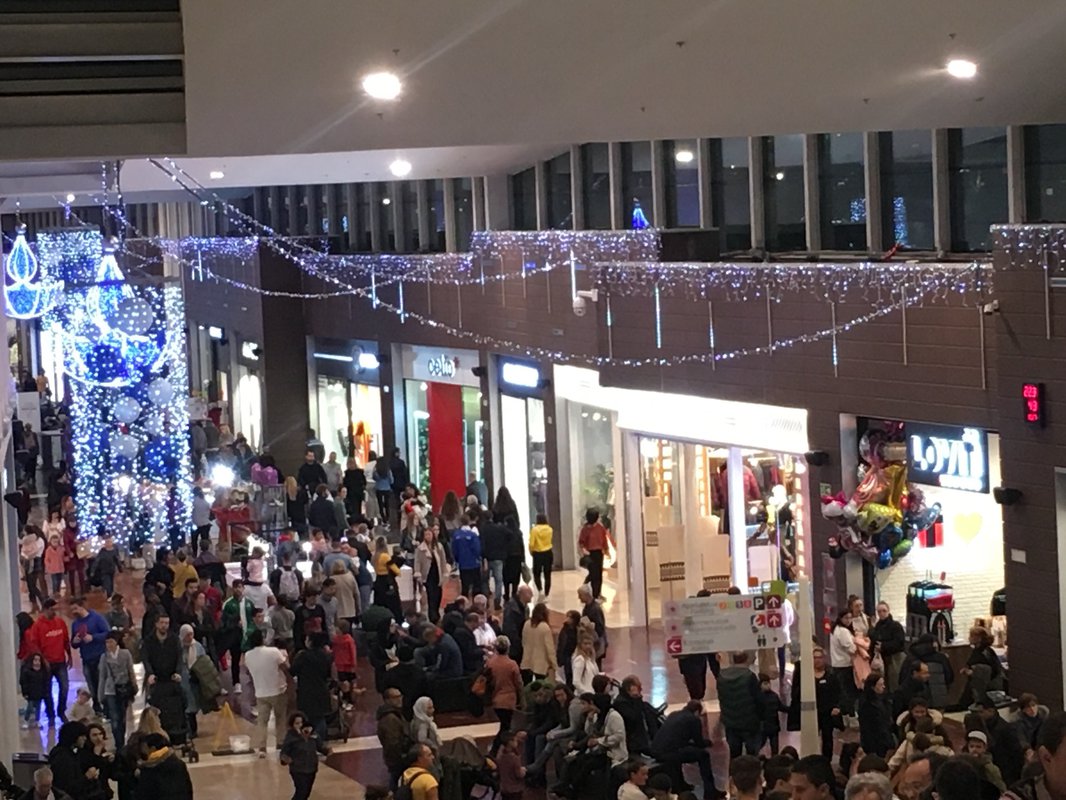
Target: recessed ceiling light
780, 176
71, 198
684, 156
216, 175
400, 168
385, 201
961, 68
382, 85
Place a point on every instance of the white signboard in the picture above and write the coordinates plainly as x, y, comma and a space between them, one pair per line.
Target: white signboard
440, 365
724, 623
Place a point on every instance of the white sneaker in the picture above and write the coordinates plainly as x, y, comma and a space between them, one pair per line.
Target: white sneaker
24, 725
237, 689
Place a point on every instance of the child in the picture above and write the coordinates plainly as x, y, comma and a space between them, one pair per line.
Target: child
282, 618
82, 710
772, 707
53, 562
34, 681
977, 746
344, 659
300, 752
260, 623
509, 764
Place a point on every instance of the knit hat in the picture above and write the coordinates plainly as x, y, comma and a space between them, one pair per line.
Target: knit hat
978, 735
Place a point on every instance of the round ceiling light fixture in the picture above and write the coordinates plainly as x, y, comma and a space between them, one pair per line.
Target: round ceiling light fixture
71, 198
961, 68
216, 175
401, 168
382, 85
684, 156
385, 201
780, 176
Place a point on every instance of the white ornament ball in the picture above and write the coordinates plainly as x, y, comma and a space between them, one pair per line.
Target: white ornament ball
160, 391
156, 424
133, 316
127, 409
125, 445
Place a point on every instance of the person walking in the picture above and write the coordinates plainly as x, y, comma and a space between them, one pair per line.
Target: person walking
466, 549
237, 613
593, 540
394, 733
50, 637
354, 481
875, 717
740, 697
347, 593
494, 550
312, 669
386, 589
842, 648
515, 559
540, 549
383, 488
88, 630
300, 751
266, 667
506, 685
201, 520
106, 566
117, 685
451, 520
431, 570
31, 558
888, 637
296, 499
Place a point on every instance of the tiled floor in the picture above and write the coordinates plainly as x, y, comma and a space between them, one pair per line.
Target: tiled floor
358, 763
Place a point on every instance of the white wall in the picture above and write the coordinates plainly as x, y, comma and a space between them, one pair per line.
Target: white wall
972, 553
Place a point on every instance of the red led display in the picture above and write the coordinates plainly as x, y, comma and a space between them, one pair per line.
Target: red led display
1033, 398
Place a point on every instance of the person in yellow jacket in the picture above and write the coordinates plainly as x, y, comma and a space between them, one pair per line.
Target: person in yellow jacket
540, 547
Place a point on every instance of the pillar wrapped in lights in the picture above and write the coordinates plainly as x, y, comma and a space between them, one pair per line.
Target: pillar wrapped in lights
123, 351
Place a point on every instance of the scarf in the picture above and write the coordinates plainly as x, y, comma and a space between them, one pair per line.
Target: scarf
425, 727
190, 651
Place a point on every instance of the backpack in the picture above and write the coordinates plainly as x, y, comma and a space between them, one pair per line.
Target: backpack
289, 584
404, 791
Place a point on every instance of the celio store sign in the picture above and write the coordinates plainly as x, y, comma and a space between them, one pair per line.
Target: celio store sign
440, 365
948, 456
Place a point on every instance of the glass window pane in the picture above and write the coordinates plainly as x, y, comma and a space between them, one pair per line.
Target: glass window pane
977, 162
682, 179
464, 212
560, 201
436, 217
731, 193
636, 184
907, 190
362, 194
842, 196
409, 195
596, 188
524, 200
1045, 173
783, 186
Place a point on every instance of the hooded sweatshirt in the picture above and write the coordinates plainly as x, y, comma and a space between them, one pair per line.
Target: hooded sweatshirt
164, 776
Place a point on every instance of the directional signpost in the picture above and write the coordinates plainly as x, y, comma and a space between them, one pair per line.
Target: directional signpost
725, 623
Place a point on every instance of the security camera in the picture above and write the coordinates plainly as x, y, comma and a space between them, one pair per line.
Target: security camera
581, 298
990, 308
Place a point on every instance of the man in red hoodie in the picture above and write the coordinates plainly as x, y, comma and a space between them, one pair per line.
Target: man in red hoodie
51, 638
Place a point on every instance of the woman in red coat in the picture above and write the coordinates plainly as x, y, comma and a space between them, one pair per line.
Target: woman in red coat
506, 687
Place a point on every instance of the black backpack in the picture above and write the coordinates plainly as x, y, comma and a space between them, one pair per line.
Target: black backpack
404, 791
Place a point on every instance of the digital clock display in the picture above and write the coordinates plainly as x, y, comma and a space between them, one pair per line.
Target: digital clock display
1033, 399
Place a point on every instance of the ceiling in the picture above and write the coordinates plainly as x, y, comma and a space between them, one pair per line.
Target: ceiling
492, 85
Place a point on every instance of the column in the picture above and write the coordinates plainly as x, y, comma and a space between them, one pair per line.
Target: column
738, 540
690, 515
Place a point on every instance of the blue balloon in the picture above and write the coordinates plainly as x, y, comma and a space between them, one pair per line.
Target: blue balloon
884, 559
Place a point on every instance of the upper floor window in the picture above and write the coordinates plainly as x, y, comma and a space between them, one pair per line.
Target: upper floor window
784, 196
1045, 173
682, 183
842, 191
596, 185
977, 163
731, 193
907, 190
524, 200
560, 198
636, 185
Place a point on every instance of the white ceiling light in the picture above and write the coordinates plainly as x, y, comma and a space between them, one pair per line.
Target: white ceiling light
216, 175
780, 176
382, 85
684, 156
400, 168
961, 68
385, 201
71, 198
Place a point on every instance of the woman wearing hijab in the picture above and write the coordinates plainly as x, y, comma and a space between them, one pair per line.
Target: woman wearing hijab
423, 728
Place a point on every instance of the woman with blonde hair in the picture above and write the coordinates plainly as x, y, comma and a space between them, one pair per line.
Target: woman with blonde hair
128, 753
538, 646
583, 662
347, 592
296, 506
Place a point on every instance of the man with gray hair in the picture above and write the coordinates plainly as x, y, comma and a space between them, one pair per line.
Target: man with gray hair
42, 787
868, 786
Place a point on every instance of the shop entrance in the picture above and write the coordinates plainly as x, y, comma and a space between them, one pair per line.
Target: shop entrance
525, 461
447, 440
349, 418
711, 517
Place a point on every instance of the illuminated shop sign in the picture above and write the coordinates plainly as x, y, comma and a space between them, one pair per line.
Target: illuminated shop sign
948, 456
524, 376
440, 366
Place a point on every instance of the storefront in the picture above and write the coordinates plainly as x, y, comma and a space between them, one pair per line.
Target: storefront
445, 432
225, 372
953, 467
714, 492
523, 437
346, 401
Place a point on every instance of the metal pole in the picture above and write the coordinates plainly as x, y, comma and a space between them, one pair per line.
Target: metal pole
903, 311
833, 323
984, 356
769, 323
710, 334
1047, 294
809, 742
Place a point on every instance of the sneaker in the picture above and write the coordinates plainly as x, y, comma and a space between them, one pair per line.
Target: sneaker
24, 725
237, 689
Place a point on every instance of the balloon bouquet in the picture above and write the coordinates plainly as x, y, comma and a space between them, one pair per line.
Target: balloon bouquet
885, 513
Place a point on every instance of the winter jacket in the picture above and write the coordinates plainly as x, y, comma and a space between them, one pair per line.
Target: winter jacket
515, 617
875, 724
937, 741
494, 542
473, 656
772, 708
466, 549
34, 683
741, 700
164, 776
679, 729
116, 670
506, 682
1005, 749
908, 690
424, 558
161, 658
312, 668
641, 721
941, 675
394, 733
320, 515
302, 752
50, 638
611, 734
889, 636
309, 476
538, 650
106, 562
449, 659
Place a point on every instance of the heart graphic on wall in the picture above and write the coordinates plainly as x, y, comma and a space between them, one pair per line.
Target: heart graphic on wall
967, 526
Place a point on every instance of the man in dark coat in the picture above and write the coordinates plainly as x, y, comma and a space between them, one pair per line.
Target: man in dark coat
311, 473
163, 775
473, 655
394, 733
322, 513
680, 741
44, 788
515, 615
161, 652
641, 720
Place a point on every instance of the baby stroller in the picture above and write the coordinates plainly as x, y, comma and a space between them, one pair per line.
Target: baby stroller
168, 698
339, 719
466, 773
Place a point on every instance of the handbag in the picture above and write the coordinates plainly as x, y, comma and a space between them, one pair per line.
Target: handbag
124, 693
527, 573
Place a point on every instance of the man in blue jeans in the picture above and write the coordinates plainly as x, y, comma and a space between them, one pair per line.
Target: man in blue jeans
740, 697
494, 551
88, 635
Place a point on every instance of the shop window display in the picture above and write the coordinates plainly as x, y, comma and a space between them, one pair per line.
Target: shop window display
464, 417
349, 417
